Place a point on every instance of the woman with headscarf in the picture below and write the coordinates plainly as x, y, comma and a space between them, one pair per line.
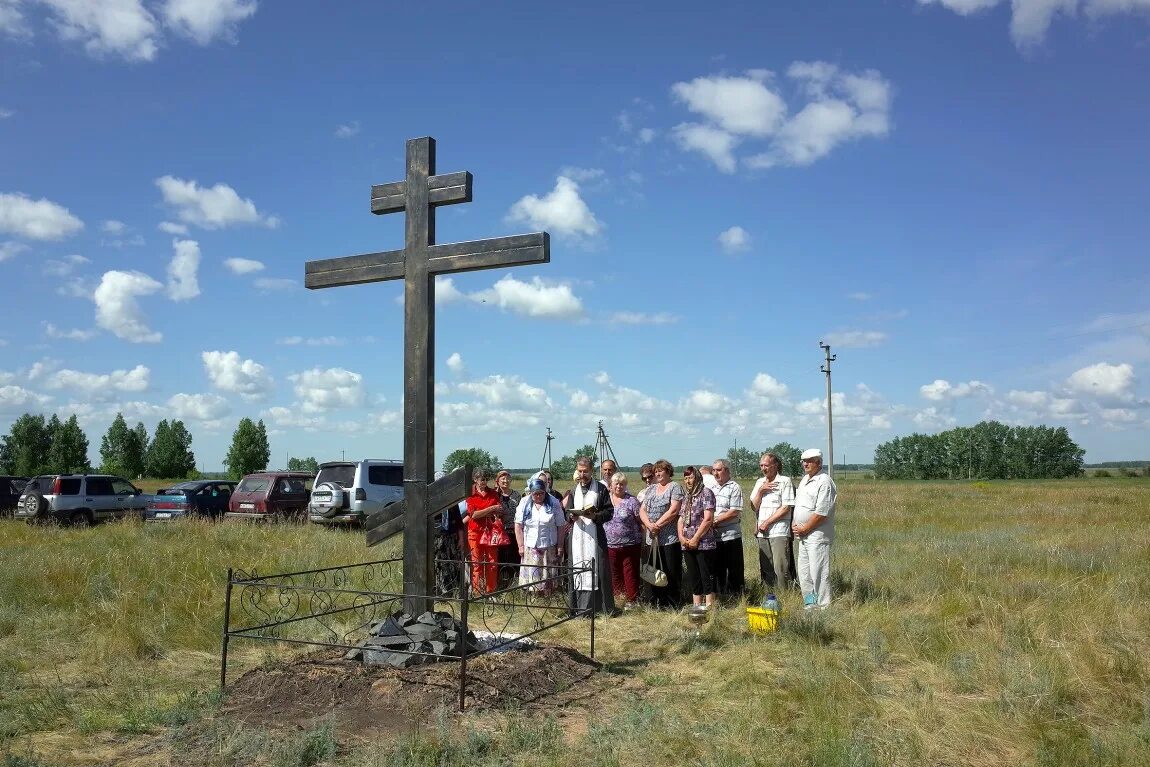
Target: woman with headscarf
659, 514
588, 507
697, 536
624, 541
550, 485
508, 555
482, 511
538, 522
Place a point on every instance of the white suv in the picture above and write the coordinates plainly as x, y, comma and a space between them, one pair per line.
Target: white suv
347, 492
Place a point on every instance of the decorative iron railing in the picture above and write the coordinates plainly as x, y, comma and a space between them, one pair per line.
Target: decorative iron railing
334, 607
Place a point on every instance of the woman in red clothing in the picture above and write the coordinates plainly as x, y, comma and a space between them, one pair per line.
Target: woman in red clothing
482, 511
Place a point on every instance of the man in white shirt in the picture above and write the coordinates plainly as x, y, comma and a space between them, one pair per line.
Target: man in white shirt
607, 470
773, 499
709, 480
814, 526
729, 576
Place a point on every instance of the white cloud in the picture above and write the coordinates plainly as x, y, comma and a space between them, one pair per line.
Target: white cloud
12, 20
642, 318
856, 339
347, 131
562, 211
507, 392
1105, 382
52, 331
646, 135
704, 403
845, 107
100, 386
117, 309
445, 291
1030, 19
170, 228
120, 27
243, 265
1119, 415
860, 296
322, 390
182, 270
4, 113
840, 106
715, 143
206, 20
735, 239
301, 341
198, 407
941, 389
269, 284
210, 208
36, 219
455, 363
582, 175
933, 419
11, 250
1039, 405
228, 372
765, 386
15, 399
113, 227
738, 105
532, 299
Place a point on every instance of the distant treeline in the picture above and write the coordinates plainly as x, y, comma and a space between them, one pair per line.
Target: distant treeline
1119, 465
988, 450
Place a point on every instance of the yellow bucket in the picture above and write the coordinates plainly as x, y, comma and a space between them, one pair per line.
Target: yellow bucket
759, 621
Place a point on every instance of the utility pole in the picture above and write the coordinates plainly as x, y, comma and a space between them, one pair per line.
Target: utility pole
603, 449
826, 368
546, 461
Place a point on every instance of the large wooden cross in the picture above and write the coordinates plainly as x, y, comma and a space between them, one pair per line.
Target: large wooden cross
417, 264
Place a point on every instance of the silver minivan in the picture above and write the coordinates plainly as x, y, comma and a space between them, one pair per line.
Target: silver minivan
347, 492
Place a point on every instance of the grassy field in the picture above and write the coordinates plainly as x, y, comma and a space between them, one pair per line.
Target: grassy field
974, 624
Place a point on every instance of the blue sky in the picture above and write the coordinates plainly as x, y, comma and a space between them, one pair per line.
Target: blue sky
951, 193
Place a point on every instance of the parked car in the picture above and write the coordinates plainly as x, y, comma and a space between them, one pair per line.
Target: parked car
347, 492
271, 495
11, 489
79, 499
197, 498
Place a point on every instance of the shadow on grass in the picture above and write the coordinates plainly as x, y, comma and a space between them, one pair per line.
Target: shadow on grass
860, 588
809, 626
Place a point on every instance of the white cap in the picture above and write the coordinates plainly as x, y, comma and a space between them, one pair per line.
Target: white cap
813, 452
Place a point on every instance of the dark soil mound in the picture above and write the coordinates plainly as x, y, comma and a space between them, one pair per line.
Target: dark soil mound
366, 700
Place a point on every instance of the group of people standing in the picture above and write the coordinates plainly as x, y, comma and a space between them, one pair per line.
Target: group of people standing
692, 528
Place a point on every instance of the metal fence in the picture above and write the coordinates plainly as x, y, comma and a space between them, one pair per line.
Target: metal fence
334, 607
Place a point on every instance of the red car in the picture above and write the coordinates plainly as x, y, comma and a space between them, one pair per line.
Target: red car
278, 495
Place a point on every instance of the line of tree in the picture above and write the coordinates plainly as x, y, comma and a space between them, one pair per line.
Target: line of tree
987, 450
309, 464
250, 450
476, 456
38, 445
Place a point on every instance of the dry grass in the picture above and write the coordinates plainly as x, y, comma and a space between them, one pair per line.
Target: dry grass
974, 624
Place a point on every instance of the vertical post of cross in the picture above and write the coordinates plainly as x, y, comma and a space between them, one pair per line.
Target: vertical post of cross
418, 372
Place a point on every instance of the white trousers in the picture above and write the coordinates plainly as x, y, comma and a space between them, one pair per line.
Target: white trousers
815, 573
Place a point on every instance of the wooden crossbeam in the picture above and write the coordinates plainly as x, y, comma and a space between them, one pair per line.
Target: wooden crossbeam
441, 259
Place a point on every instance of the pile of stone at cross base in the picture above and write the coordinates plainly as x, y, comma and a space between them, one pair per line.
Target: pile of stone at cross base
389, 642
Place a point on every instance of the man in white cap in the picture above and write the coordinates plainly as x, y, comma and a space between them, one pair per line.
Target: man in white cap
814, 526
